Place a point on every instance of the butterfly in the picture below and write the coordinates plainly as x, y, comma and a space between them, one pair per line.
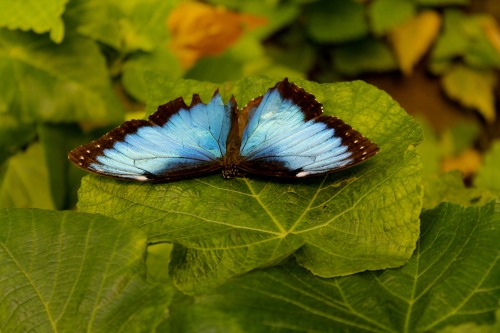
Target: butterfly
282, 133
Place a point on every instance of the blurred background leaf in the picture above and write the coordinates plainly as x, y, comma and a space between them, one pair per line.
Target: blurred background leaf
57, 83
39, 16
24, 180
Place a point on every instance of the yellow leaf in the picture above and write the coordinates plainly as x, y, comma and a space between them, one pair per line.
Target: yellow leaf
473, 88
467, 162
200, 30
492, 31
411, 39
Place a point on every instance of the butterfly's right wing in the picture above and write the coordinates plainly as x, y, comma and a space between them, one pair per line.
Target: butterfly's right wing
176, 141
286, 135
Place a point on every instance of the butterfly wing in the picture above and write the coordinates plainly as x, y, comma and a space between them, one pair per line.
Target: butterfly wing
176, 141
286, 136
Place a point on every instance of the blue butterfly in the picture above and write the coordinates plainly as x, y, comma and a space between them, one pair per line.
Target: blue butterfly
280, 134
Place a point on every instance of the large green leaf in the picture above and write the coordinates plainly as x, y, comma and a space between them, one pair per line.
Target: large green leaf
452, 278
74, 272
56, 83
362, 218
37, 15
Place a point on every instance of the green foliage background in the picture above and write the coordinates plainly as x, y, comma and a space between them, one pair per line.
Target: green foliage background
392, 245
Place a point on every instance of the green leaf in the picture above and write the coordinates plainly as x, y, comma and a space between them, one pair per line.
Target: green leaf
24, 180
464, 36
452, 278
67, 272
473, 88
126, 25
488, 176
482, 54
216, 69
158, 258
223, 228
293, 50
446, 144
431, 151
158, 61
333, 21
460, 136
366, 55
387, 14
279, 14
55, 83
37, 15
14, 135
450, 187
246, 57
452, 42
64, 178
474, 328
443, 2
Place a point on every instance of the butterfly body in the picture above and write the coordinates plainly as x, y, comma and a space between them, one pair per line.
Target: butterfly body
281, 134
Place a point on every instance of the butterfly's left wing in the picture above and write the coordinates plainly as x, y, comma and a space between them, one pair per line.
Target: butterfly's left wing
286, 136
176, 141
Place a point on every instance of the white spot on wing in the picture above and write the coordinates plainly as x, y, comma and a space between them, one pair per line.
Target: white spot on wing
140, 178
302, 174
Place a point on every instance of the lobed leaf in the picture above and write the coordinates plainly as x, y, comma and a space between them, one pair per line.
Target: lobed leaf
453, 278
362, 218
74, 272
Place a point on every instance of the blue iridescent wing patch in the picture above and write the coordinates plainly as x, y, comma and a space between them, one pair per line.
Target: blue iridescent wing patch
176, 141
281, 134
286, 136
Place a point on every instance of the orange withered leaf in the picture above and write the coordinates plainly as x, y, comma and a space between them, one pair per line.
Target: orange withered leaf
199, 30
